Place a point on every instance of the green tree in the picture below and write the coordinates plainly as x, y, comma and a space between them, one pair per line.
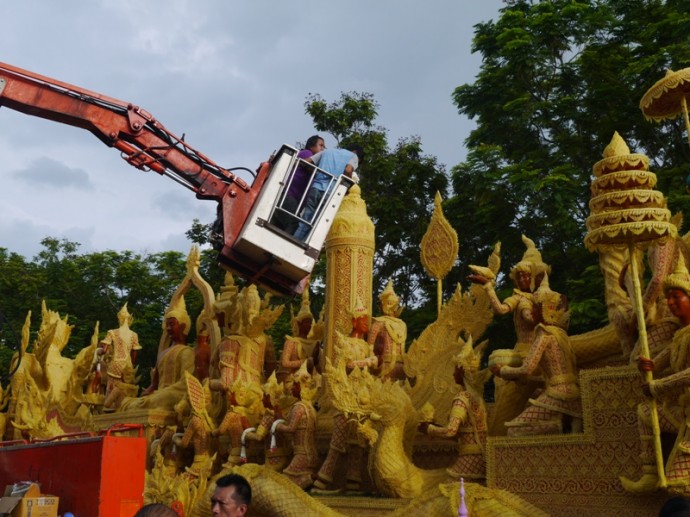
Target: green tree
557, 79
88, 288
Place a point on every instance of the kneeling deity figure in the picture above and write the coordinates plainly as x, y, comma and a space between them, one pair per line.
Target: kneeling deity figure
467, 420
301, 424
276, 402
299, 346
557, 408
168, 385
199, 428
527, 275
244, 411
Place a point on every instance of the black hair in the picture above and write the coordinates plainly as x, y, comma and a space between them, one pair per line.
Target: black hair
677, 506
357, 149
243, 490
311, 141
155, 510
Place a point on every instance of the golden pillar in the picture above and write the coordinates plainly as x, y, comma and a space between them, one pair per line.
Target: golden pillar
349, 266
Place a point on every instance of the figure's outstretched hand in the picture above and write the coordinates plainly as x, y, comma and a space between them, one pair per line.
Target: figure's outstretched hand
478, 279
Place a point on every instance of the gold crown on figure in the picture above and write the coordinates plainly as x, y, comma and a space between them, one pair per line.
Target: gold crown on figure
679, 279
305, 309
554, 307
359, 309
308, 382
271, 387
531, 261
302, 375
123, 315
179, 312
388, 292
467, 357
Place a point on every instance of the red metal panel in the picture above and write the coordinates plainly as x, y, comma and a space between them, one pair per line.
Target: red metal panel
123, 473
95, 476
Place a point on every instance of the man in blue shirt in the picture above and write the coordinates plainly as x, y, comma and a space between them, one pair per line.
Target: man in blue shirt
335, 162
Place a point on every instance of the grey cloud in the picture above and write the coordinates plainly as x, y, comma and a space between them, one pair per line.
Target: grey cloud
183, 205
24, 237
232, 76
48, 173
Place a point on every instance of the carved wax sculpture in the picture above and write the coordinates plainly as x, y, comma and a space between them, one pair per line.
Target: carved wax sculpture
388, 334
552, 354
119, 348
168, 385
301, 424
673, 390
299, 347
356, 353
467, 419
526, 275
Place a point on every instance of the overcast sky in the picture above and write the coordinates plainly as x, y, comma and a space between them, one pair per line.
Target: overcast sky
233, 77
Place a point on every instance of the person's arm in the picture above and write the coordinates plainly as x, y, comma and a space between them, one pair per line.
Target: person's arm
189, 433
458, 415
351, 166
662, 360
499, 308
296, 414
263, 429
285, 357
315, 158
677, 380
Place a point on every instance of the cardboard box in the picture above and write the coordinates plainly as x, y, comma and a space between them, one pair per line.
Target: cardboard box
26, 500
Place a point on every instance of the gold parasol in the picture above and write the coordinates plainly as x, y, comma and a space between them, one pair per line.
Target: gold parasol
668, 98
623, 213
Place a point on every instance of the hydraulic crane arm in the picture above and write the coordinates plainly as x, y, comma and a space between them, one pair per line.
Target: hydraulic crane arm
244, 234
143, 141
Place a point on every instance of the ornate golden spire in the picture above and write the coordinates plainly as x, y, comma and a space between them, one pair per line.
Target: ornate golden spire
123, 316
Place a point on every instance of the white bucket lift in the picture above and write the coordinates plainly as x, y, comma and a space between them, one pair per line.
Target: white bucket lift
268, 234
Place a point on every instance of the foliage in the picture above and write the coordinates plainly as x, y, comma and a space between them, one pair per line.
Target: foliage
88, 288
92, 287
557, 79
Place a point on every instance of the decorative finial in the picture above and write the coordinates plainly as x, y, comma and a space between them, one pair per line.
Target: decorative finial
462, 508
617, 146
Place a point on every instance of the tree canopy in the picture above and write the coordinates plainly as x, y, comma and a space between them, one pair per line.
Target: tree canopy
557, 79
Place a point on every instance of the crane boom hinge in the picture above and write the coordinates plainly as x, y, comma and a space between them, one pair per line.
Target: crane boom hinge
137, 118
